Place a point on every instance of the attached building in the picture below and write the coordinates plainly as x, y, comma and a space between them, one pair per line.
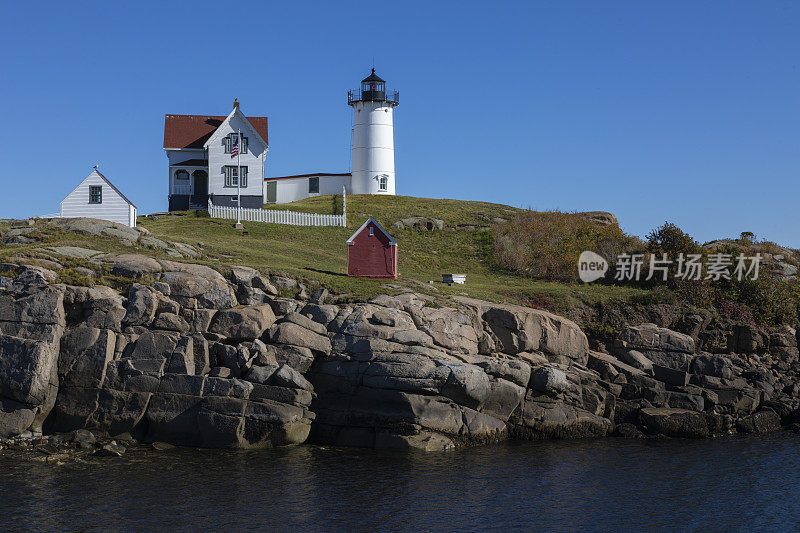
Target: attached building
284, 189
96, 197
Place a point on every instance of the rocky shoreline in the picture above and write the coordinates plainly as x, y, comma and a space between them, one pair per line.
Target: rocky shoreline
192, 357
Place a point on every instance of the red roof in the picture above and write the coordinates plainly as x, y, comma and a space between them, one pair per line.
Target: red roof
192, 131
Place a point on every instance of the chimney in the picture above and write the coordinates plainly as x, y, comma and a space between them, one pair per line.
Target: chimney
236, 104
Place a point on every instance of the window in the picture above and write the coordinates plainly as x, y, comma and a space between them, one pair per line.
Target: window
371, 231
232, 174
230, 141
383, 182
181, 175
313, 184
95, 194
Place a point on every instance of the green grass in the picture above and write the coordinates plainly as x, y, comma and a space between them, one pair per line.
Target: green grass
319, 254
389, 209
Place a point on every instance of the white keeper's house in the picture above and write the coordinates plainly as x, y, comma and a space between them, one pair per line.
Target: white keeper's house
201, 165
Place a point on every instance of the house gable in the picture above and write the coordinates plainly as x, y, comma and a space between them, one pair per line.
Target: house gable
370, 220
96, 173
223, 127
113, 205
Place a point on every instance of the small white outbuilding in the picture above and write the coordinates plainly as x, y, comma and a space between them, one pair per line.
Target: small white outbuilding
96, 197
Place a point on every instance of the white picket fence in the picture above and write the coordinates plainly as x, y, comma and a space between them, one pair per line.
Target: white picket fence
274, 216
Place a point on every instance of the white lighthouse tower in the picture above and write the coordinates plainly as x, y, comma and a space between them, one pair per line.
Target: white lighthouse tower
373, 137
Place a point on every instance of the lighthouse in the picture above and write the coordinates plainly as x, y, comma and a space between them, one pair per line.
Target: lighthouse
373, 137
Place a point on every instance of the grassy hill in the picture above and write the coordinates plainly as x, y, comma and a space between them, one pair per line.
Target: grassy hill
530, 260
320, 253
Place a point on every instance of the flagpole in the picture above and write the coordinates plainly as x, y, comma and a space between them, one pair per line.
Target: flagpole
239, 179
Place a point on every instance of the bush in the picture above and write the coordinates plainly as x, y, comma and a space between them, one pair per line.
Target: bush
547, 245
672, 240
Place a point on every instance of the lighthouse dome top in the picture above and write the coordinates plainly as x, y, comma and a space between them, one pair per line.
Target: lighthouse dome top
373, 89
373, 78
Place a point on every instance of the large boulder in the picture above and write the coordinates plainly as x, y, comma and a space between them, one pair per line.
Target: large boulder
134, 265
712, 365
93, 226
141, 307
295, 335
95, 307
85, 353
374, 321
660, 345
29, 376
211, 292
514, 329
549, 380
30, 333
448, 327
42, 307
15, 417
322, 313
243, 323
555, 420
680, 423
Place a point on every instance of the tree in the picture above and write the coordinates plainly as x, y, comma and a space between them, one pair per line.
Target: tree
671, 240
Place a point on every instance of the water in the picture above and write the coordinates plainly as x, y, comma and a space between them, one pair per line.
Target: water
741, 483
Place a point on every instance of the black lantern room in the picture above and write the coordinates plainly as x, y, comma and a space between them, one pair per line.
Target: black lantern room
373, 89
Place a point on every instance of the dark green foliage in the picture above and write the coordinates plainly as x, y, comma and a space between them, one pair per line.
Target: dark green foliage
672, 240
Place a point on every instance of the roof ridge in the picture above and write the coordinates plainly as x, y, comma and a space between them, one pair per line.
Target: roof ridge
112, 186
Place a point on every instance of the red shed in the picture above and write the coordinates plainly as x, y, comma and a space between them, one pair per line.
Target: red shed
371, 252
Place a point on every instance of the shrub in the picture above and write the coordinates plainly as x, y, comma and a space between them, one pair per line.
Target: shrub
672, 240
747, 237
547, 245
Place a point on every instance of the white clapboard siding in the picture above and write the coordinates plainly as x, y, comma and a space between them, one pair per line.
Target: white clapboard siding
114, 207
277, 217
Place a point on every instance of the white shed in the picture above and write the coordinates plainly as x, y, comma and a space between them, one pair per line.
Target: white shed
96, 197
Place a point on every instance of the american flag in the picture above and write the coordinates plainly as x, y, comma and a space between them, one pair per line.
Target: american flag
235, 147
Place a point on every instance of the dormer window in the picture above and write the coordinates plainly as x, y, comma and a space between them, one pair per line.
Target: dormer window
230, 140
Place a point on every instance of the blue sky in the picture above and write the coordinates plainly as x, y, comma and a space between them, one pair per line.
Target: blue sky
681, 111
